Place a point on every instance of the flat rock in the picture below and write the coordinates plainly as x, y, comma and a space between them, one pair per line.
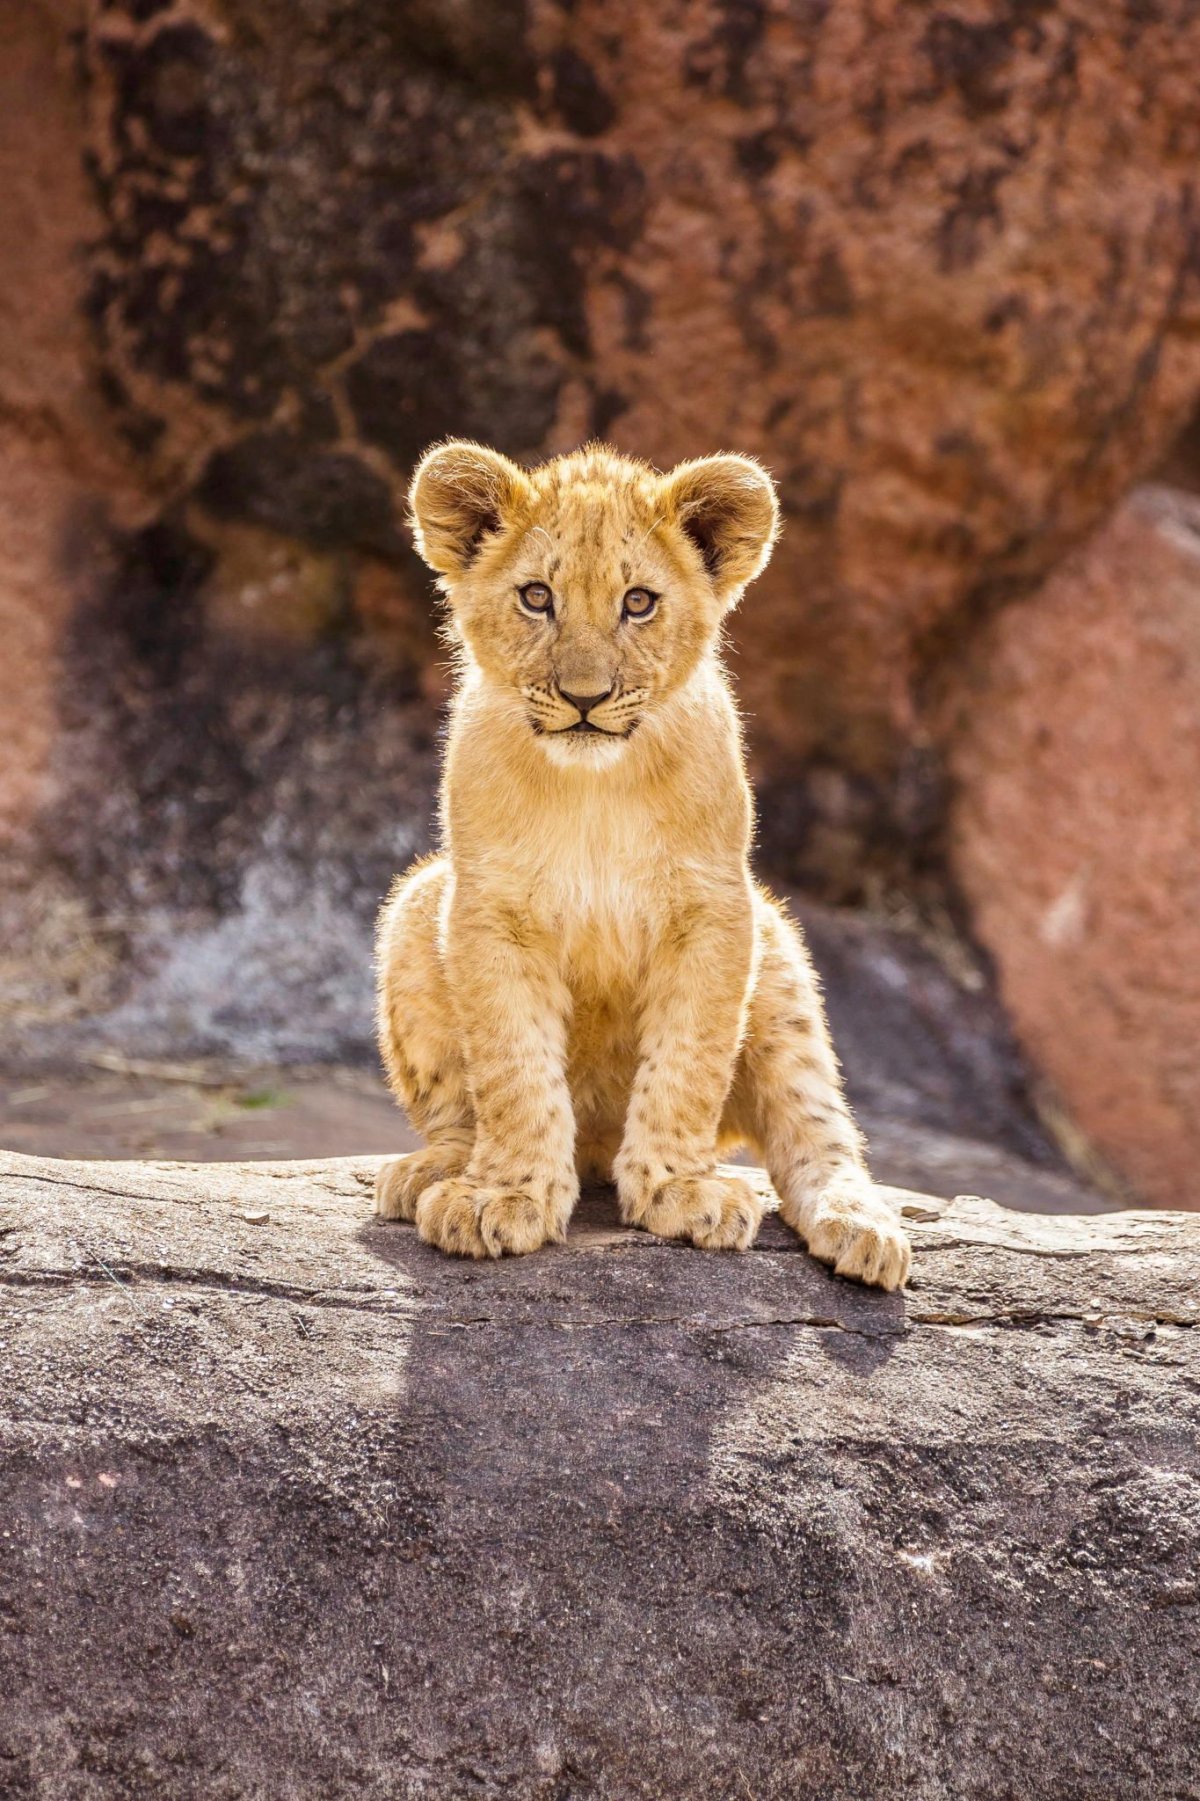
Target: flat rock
296, 1506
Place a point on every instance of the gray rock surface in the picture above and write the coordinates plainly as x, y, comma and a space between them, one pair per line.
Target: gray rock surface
294, 1506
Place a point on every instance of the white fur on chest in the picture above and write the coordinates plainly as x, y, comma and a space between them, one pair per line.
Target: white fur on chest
596, 878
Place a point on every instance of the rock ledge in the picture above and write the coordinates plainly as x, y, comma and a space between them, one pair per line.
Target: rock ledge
293, 1506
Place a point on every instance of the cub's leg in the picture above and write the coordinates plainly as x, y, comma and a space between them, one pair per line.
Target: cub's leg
692, 1015
787, 1100
513, 1010
419, 1043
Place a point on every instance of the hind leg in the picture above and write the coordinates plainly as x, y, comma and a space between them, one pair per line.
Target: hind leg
787, 1101
418, 1043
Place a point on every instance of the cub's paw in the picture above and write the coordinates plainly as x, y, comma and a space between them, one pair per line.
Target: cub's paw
447, 1216
854, 1229
401, 1181
512, 1222
470, 1221
718, 1213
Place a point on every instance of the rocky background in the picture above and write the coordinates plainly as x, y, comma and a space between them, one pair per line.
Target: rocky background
938, 265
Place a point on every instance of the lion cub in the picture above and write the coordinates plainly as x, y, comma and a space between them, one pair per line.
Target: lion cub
587, 983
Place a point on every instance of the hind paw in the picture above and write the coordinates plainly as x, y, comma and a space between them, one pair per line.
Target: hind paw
852, 1228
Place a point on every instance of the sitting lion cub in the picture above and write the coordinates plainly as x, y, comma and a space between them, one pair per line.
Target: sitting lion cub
587, 982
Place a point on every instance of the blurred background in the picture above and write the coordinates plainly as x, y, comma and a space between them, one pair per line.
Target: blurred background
938, 265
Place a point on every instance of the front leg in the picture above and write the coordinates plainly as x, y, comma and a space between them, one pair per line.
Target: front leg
512, 1009
692, 1018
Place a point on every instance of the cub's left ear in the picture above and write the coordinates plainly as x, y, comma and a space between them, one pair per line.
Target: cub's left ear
727, 506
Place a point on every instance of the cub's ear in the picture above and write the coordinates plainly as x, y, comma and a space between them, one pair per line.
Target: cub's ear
460, 493
727, 506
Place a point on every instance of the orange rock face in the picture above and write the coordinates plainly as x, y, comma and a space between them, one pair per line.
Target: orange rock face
54, 454
1076, 835
930, 264
935, 265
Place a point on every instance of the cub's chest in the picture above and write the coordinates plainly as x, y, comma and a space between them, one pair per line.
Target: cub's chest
595, 864
602, 883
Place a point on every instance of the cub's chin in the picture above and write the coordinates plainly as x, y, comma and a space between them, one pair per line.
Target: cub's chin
583, 750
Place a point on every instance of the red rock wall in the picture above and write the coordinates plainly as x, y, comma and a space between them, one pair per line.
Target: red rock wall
56, 450
937, 265
1076, 834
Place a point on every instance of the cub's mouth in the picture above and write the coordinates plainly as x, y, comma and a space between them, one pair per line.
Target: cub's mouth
583, 728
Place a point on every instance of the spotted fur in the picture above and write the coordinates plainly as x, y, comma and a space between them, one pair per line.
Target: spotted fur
586, 982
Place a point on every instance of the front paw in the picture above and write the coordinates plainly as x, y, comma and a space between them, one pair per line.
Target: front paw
851, 1227
473, 1221
401, 1181
718, 1213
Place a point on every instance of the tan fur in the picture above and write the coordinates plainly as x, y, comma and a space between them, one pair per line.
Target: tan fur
586, 982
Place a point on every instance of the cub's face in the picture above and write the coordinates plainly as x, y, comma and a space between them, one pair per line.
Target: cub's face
588, 590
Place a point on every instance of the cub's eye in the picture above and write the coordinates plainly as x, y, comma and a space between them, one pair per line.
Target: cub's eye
639, 603
537, 598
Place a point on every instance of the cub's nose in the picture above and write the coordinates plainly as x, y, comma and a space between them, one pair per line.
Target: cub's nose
585, 702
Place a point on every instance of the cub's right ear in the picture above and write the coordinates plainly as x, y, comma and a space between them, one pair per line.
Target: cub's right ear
460, 493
